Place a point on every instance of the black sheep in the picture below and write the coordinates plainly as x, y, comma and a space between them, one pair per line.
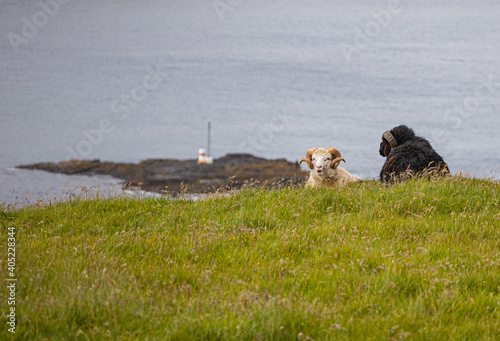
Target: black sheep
407, 155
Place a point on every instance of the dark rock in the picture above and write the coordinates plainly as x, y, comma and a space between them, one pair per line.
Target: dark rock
231, 170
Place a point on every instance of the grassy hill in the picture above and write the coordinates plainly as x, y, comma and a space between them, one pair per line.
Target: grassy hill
418, 260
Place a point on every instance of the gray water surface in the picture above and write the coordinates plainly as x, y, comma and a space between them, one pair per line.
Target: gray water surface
131, 80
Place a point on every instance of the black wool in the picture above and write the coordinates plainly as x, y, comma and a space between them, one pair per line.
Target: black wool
413, 155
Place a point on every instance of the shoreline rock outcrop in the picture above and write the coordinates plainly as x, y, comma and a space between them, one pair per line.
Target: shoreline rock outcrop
172, 175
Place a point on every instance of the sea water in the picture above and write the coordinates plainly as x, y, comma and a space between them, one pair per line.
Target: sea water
130, 80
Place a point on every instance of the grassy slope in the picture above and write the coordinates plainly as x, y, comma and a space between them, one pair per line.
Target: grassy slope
418, 260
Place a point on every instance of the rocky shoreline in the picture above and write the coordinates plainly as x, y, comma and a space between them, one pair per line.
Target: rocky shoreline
174, 176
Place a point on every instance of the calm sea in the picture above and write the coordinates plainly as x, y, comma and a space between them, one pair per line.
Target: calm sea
131, 80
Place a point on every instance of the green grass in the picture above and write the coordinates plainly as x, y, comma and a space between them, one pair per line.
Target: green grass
418, 260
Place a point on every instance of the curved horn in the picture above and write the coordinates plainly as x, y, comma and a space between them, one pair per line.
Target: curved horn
307, 159
390, 138
337, 157
335, 153
336, 161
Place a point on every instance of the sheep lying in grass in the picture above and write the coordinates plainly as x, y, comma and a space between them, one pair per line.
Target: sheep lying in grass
325, 170
408, 155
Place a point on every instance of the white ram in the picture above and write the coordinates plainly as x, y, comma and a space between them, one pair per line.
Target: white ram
325, 170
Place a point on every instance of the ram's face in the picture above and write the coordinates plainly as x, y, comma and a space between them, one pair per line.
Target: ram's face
321, 160
385, 148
